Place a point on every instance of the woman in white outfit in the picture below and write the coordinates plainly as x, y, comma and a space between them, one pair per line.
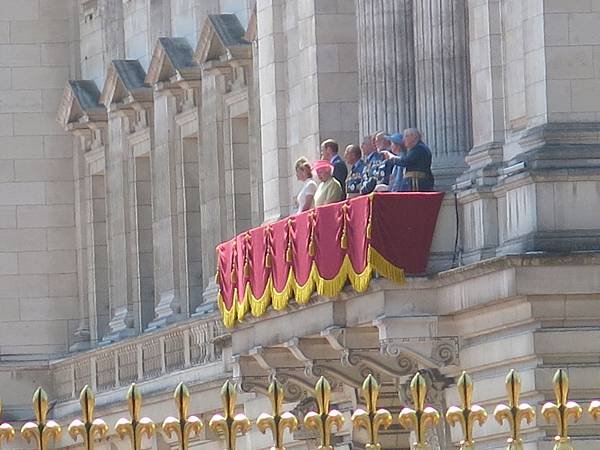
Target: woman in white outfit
306, 196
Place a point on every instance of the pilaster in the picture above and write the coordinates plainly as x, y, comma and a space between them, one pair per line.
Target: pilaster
165, 226
127, 98
212, 170
174, 73
81, 114
82, 335
117, 201
254, 137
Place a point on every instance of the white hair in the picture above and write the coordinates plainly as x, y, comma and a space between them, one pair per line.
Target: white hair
412, 132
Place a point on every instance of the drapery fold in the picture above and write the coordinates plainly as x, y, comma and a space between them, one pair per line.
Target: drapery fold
324, 249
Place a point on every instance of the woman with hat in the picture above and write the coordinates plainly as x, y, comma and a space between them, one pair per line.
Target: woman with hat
329, 189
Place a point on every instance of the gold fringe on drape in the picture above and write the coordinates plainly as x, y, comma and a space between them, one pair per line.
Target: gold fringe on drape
315, 283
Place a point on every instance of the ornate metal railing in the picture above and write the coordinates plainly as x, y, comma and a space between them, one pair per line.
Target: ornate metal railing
325, 422
147, 356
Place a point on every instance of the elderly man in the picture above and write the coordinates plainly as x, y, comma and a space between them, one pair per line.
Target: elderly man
329, 189
416, 162
329, 152
353, 157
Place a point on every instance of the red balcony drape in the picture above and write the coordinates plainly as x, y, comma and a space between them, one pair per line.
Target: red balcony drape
323, 249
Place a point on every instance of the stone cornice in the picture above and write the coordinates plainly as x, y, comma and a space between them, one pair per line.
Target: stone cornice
80, 108
125, 87
222, 39
172, 62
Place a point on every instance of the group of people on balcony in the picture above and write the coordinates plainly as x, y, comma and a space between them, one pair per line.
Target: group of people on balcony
383, 163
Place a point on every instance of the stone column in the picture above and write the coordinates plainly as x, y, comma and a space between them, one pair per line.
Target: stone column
386, 72
165, 226
213, 211
117, 201
442, 84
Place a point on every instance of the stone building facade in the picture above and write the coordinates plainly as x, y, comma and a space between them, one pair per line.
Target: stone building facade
135, 135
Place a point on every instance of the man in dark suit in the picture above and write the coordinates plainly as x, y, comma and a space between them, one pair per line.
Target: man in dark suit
329, 152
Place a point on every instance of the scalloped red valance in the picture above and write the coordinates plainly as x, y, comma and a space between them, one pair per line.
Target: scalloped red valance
323, 249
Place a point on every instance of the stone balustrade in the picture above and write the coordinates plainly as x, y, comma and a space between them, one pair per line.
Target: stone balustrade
148, 356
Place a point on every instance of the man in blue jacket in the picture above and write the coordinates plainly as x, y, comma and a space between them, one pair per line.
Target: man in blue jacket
397, 175
416, 163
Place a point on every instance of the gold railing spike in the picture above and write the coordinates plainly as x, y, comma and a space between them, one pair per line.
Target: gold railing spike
371, 419
89, 428
135, 427
515, 412
562, 410
7, 432
467, 414
277, 421
229, 424
421, 417
324, 421
42, 430
183, 426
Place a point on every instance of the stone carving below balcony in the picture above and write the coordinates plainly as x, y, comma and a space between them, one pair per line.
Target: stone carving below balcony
428, 352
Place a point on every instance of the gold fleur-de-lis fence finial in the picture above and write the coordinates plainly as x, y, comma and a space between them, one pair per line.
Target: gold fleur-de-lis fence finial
183, 426
42, 430
562, 410
594, 409
89, 428
135, 427
7, 432
515, 412
371, 419
324, 421
229, 424
277, 421
467, 414
421, 417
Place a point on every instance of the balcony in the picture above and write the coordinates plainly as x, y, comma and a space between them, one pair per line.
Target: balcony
323, 250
